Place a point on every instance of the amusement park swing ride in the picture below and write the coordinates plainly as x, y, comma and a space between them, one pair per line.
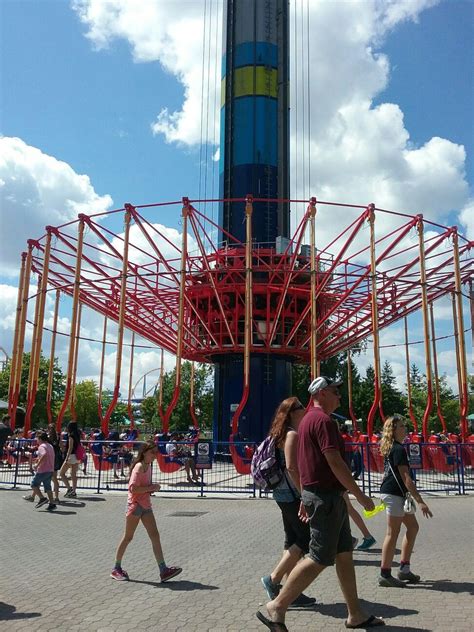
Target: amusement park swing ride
243, 293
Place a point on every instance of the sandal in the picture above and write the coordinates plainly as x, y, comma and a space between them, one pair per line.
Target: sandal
371, 622
274, 626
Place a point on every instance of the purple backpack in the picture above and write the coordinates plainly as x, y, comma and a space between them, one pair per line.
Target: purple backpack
265, 467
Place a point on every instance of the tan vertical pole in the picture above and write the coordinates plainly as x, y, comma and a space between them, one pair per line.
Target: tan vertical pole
31, 369
313, 276
160, 390
130, 382
13, 362
129, 210
456, 345
73, 330
21, 332
349, 392
375, 323
248, 316
49, 391
435, 371
101, 376
409, 397
462, 344
30, 396
35, 357
180, 324
426, 329
74, 370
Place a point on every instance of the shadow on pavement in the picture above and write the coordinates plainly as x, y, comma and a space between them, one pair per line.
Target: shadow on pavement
8, 613
379, 551
71, 503
386, 611
58, 512
366, 562
93, 499
445, 585
177, 585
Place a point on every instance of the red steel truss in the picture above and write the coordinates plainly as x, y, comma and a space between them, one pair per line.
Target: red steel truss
214, 301
190, 297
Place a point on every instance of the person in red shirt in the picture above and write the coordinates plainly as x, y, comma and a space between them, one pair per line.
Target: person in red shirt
324, 478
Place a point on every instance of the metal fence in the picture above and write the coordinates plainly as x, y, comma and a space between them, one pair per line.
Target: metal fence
445, 468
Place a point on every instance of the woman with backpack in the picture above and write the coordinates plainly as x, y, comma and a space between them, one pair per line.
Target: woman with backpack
397, 482
287, 496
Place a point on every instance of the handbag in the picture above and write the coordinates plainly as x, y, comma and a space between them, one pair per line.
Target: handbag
409, 506
80, 452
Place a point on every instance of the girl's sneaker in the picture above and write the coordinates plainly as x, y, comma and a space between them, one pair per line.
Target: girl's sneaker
30, 498
170, 572
409, 578
366, 544
120, 575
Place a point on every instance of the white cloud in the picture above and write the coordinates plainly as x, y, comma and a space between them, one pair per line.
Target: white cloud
37, 190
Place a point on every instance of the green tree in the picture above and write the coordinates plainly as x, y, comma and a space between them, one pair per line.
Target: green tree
39, 415
120, 412
148, 410
203, 396
392, 399
86, 404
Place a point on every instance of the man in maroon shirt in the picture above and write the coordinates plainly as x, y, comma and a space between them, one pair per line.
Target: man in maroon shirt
324, 477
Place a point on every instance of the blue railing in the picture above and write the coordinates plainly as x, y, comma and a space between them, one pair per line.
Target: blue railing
444, 468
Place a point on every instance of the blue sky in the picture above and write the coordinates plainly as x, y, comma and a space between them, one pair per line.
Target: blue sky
92, 106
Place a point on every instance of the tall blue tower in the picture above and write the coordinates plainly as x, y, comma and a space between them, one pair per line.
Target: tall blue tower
254, 146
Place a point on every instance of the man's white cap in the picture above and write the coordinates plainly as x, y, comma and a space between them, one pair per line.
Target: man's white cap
322, 382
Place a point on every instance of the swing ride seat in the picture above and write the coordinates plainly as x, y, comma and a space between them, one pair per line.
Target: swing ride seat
241, 464
100, 466
439, 457
166, 463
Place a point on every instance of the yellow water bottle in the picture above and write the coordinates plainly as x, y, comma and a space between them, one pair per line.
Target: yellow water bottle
375, 511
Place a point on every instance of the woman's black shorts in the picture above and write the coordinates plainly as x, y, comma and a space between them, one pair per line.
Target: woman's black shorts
296, 531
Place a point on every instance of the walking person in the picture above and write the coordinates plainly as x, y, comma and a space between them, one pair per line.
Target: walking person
139, 509
287, 494
72, 459
58, 458
396, 483
324, 478
368, 539
44, 469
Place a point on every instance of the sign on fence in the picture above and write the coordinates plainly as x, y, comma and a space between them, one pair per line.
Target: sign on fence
414, 456
203, 455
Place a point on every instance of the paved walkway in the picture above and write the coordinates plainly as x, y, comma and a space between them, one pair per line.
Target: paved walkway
55, 569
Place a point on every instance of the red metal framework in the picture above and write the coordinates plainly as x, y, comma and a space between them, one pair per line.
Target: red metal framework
191, 299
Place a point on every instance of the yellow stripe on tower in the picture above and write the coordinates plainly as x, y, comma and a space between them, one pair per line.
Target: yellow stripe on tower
256, 80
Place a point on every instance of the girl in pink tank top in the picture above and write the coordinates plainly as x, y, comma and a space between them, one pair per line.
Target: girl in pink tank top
139, 509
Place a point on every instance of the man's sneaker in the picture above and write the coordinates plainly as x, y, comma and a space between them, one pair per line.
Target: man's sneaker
71, 494
51, 507
355, 542
409, 578
68, 492
41, 502
170, 572
391, 582
120, 575
366, 544
271, 589
303, 601
30, 498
